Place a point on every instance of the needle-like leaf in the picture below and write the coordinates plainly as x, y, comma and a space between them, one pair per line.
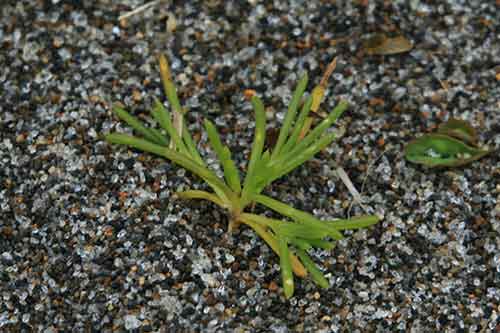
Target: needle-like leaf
224, 155
316, 274
162, 116
286, 267
196, 194
298, 215
297, 160
168, 85
257, 147
320, 129
139, 127
191, 146
175, 157
354, 223
290, 115
301, 243
271, 240
323, 244
299, 124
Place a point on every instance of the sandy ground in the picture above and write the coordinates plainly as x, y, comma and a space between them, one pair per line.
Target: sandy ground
91, 239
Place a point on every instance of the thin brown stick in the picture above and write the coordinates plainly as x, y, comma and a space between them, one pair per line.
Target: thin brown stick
329, 70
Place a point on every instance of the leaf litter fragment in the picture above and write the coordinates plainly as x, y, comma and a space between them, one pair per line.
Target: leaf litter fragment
459, 129
380, 44
438, 150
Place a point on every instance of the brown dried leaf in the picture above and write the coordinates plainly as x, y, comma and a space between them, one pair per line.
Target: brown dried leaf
380, 44
459, 129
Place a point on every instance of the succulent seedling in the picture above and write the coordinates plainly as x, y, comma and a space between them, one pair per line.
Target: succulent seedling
292, 237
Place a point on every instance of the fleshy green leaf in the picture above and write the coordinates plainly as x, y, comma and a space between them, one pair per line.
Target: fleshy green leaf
290, 115
313, 269
303, 156
257, 147
186, 162
255, 222
301, 243
298, 215
322, 127
191, 145
297, 230
437, 150
354, 223
224, 155
162, 116
299, 124
323, 244
286, 267
136, 124
197, 194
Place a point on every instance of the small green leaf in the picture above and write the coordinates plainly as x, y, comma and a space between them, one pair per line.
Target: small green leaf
260, 225
300, 158
197, 194
261, 172
437, 150
459, 129
319, 130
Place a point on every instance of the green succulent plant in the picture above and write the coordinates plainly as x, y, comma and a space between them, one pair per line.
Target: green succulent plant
292, 237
